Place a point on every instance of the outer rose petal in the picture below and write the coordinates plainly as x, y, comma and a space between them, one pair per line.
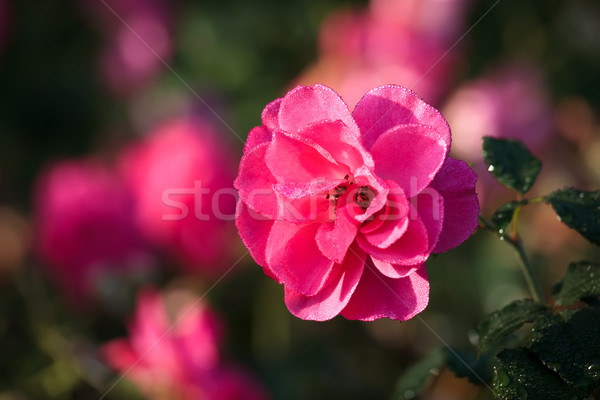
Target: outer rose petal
281, 233
270, 115
307, 266
301, 203
255, 183
388, 106
254, 232
257, 136
456, 183
380, 297
305, 105
331, 299
410, 155
430, 207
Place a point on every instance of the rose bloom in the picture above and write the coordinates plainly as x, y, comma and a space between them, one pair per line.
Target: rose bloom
181, 178
344, 208
83, 225
178, 357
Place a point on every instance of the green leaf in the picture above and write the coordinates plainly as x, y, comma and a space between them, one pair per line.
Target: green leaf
503, 322
466, 364
569, 344
518, 374
413, 381
578, 210
504, 215
511, 163
581, 280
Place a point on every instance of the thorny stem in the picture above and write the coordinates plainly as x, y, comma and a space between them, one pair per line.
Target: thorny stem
526, 268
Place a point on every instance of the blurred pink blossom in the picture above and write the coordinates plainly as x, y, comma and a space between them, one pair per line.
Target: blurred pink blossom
137, 36
511, 102
84, 225
344, 208
400, 42
178, 357
181, 176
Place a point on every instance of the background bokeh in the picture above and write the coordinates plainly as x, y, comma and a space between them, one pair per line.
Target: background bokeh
106, 104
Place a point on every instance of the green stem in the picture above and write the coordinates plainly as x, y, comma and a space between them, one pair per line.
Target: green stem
526, 268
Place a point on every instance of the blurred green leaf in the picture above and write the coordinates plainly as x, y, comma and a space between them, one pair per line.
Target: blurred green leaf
518, 374
504, 215
466, 364
507, 320
569, 345
579, 210
511, 163
581, 280
413, 381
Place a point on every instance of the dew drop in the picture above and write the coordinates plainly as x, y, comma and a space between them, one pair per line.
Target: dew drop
491, 168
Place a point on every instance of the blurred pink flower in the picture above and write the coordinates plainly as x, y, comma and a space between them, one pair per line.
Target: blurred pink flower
137, 38
178, 358
181, 177
344, 209
511, 102
401, 42
84, 225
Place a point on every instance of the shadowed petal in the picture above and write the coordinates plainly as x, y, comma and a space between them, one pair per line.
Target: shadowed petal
456, 184
254, 230
377, 296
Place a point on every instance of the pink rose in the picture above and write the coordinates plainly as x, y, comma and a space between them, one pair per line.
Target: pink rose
181, 179
84, 225
177, 357
344, 208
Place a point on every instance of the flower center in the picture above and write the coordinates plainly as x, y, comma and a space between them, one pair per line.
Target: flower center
361, 195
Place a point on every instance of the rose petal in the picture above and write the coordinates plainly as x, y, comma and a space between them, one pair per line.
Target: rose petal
430, 207
255, 183
281, 233
257, 136
388, 106
395, 220
332, 298
307, 266
335, 141
254, 231
377, 296
410, 249
456, 184
410, 155
291, 161
270, 115
300, 203
334, 238
394, 270
305, 105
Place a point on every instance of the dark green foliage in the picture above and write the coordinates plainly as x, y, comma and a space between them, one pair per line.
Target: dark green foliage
579, 210
504, 215
520, 375
414, 380
511, 163
581, 280
503, 322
